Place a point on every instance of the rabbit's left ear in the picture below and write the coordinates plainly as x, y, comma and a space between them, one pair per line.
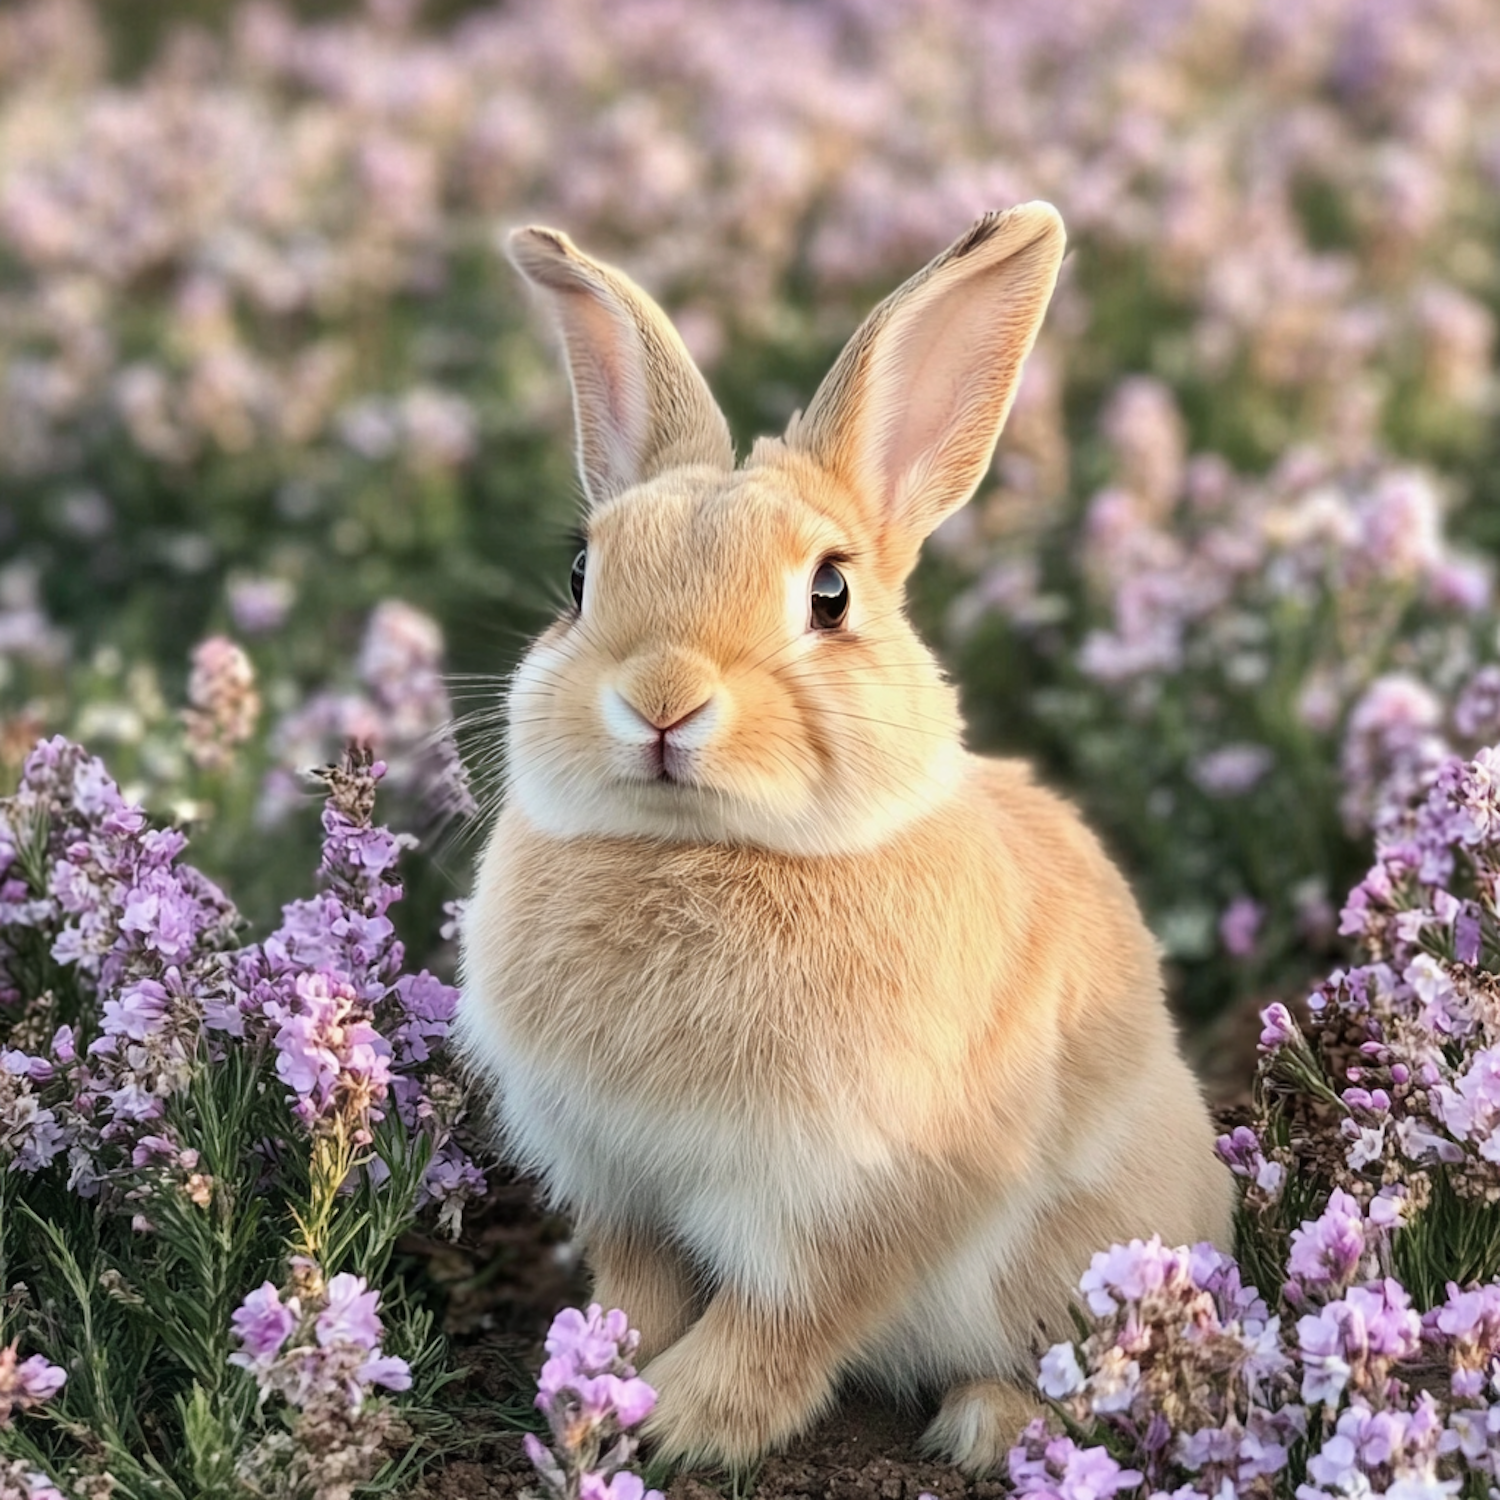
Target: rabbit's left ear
908, 416
641, 404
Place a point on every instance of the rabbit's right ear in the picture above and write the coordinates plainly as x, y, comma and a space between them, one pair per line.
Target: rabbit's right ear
641, 404
908, 416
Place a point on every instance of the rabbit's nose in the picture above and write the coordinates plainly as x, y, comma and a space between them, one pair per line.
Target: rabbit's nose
658, 693
631, 721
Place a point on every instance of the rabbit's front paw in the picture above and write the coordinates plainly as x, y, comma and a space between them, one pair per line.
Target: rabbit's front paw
979, 1423
726, 1400
650, 1281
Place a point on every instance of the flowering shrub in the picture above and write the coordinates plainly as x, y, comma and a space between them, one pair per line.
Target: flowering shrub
179, 1117
1249, 664
591, 1396
1365, 1357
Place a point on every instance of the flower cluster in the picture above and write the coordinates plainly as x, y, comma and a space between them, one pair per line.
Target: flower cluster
322, 1342
400, 707
350, 1030
591, 1396
1406, 1044
1184, 1364
319, 1351
1191, 1384
88, 885
224, 703
1185, 573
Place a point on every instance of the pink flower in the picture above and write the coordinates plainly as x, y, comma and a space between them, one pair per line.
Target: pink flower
350, 1316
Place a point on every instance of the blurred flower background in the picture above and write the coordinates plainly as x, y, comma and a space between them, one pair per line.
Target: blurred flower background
280, 444
284, 455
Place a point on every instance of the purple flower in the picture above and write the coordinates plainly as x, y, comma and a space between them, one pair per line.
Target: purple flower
154, 1150
592, 1342
1471, 1316
624, 1485
1467, 934
600, 1397
1057, 1466
1240, 1151
328, 1053
1131, 1272
1277, 1027
1369, 1323
1209, 1445
1232, 770
260, 605
25, 1383
592, 1397
1400, 1442
31, 1135
387, 1370
1239, 926
136, 1012
19, 1065
1470, 1108
262, 1323
350, 1315
1060, 1374
167, 917
1325, 1371
429, 1006
1327, 1250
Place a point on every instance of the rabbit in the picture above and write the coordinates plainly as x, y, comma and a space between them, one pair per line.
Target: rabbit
845, 1047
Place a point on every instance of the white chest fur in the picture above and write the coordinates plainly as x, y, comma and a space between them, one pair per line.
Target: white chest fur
744, 1187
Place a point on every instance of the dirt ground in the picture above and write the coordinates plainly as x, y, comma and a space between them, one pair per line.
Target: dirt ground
515, 1267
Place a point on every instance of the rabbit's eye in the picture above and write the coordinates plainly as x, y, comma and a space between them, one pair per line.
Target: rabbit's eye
575, 579
830, 598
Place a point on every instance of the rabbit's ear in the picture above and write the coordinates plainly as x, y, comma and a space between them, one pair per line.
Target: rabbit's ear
908, 416
642, 405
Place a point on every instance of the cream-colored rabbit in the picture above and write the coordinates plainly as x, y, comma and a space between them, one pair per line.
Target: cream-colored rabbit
847, 1048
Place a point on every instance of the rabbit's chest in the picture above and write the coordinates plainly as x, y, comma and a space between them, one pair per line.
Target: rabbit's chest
737, 1078
741, 1139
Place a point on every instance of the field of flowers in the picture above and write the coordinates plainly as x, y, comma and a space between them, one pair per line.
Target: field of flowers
284, 465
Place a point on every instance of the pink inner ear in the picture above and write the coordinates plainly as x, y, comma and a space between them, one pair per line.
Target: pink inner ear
606, 362
936, 396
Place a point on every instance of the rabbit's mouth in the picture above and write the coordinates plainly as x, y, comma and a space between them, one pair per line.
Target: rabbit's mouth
669, 771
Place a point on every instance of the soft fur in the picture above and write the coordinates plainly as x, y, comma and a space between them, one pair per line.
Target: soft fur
846, 1047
